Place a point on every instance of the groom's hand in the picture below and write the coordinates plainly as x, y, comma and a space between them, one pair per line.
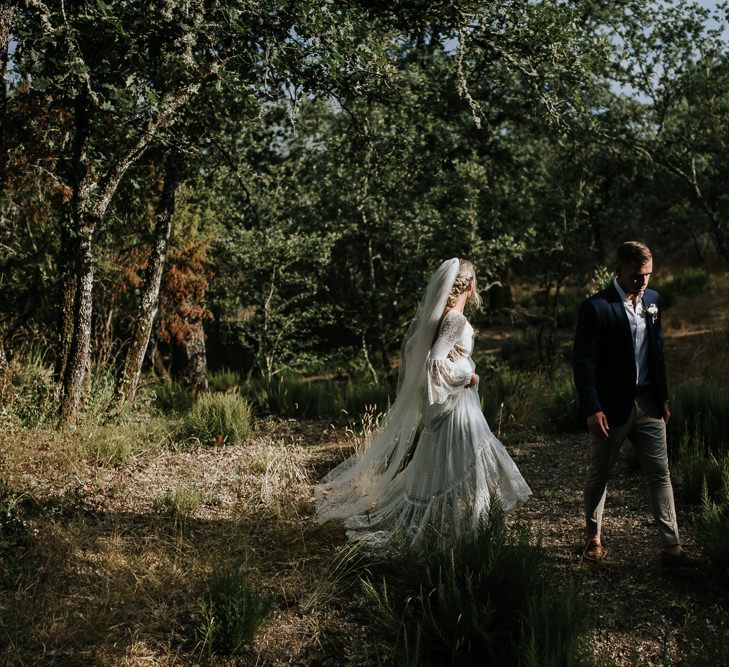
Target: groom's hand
597, 425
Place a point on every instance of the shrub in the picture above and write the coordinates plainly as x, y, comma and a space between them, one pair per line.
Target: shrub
231, 612
180, 503
521, 350
32, 394
713, 526
289, 396
503, 391
695, 466
218, 419
116, 443
172, 398
483, 601
560, 408
702, 411
553, 629
224, 379
690, 283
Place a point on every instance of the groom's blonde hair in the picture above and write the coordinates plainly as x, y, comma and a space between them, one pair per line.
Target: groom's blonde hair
632, 253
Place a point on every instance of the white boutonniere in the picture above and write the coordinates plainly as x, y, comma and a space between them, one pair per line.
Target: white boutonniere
652, 311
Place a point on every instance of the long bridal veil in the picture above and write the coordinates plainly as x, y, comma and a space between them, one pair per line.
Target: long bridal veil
359, 483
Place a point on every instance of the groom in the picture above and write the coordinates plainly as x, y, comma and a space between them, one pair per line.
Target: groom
620, 376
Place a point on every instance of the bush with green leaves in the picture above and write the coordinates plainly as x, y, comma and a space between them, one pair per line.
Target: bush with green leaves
231, 611
31, 397
224, 379
487, 600
218, 419
172, 397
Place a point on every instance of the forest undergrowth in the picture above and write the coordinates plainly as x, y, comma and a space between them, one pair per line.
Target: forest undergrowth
145, 536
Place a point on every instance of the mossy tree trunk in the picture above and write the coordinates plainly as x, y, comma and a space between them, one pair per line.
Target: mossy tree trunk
192, 358
149, 299
91, 199
6, 19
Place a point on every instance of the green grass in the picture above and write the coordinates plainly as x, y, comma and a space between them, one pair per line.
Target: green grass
181, 503
695, 466
702, 410
487, 600
231, 611
691, 283
713, 527
171, 398
224, 379
293, 397
218, 419
533, 398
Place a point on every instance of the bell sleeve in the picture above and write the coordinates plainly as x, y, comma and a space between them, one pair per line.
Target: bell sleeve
444, 378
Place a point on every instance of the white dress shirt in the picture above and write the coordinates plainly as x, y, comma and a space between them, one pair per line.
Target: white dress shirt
636, 319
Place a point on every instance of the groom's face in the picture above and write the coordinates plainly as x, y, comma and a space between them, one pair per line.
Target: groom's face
634, 277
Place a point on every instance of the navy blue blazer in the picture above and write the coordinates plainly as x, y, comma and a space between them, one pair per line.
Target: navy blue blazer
603, 357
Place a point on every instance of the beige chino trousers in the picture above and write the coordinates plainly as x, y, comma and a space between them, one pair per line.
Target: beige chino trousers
646, 430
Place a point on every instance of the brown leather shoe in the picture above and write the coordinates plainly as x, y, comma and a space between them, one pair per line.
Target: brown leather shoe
594, 552
683, 559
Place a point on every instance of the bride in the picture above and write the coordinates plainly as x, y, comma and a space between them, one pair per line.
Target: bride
440, 480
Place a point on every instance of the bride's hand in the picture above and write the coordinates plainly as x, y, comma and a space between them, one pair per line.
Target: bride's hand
473, 381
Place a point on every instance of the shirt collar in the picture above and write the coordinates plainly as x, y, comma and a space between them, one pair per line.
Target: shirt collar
621, 293
625, 298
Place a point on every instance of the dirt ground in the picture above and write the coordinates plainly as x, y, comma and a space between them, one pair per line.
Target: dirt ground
110, 577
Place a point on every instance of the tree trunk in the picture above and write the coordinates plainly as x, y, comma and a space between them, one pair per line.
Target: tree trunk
78, 280
149, 299
67, 299
4, 374
6, 19
77, 364
194, 359
91, 200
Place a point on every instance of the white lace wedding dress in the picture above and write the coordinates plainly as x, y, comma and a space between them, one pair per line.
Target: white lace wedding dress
458, 465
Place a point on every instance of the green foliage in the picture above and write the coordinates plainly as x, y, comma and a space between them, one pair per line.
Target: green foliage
555, 629
560, 410
701, 411
32, 399
180, 503
482, 601
506, 395
705, 643
224, 379
231, 612
696, 468
289, 396
533, 398
218, 419
172, 397
116, 442
691, 283
13, 524
713, 527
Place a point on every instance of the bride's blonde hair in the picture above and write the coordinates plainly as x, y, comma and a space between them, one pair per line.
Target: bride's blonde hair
465, 277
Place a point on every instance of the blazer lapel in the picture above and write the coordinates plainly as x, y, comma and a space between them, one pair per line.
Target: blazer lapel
619, 310
649, 325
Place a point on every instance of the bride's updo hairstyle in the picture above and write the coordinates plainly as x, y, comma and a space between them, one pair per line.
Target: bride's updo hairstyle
465, 277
